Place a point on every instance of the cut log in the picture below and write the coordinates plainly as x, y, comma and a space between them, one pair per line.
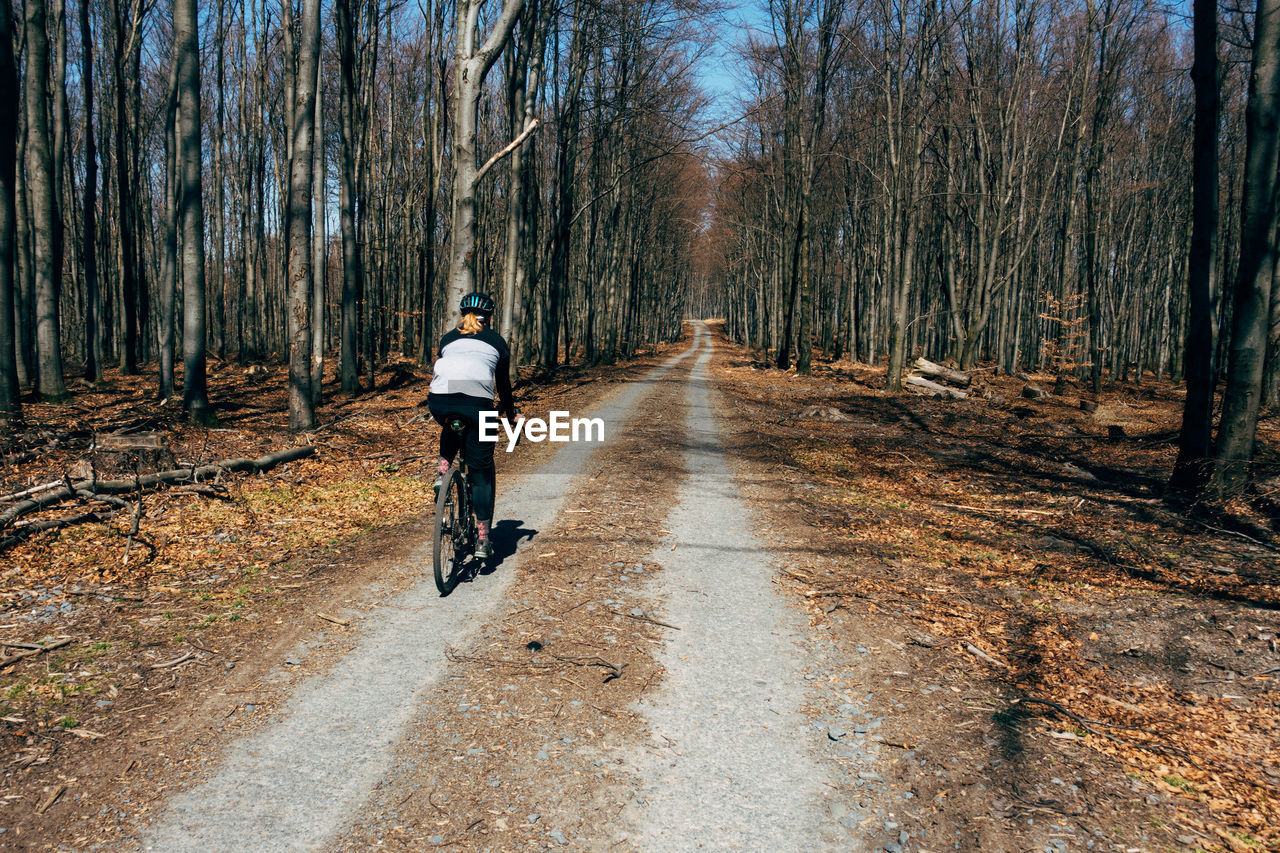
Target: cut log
958, 378
147, 481
1088, 406
1034, 392
935, 389
141, 441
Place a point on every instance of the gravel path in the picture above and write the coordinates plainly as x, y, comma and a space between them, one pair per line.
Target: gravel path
299, 779
728, 766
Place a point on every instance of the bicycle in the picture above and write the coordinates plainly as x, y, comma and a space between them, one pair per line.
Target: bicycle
455, 534
455, 528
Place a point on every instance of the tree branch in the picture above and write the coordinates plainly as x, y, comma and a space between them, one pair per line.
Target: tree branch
511, 146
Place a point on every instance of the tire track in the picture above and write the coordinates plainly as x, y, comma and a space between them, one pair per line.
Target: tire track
729, 765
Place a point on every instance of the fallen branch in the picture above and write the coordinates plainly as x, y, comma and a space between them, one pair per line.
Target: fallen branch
34, 490
208, 490
51, 799
182, 658
334, 619
165, 478
997, 509
33, 649
1088, 726
649, 619
1236, 533
615, 670
86, 734
981, 655
28, 529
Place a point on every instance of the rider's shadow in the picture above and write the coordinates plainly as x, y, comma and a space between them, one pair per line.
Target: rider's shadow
506, 536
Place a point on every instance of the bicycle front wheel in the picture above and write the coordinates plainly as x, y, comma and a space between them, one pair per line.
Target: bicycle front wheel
450, 532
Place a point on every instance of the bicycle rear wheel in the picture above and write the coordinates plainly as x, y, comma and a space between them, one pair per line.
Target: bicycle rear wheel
449, 548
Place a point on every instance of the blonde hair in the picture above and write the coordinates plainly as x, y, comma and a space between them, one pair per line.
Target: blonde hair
470, 324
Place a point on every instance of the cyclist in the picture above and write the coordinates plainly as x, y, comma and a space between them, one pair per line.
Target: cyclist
473, 361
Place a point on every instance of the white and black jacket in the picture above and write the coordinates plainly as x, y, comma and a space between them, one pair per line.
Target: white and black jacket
475, 365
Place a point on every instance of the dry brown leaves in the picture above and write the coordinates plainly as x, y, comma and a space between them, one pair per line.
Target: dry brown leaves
1022, 534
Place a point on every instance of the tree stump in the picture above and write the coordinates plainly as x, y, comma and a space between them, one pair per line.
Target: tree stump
124, 455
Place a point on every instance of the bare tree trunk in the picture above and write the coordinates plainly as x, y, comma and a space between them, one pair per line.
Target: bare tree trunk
218, 268
169, 245
1190, 472
301, 412
319, 244
351, 266
124, 30
59, 119
44, 209
9, 107
472, 61
89, 253
1271, 370
525, 78
1252, 299
24, 286
195, 393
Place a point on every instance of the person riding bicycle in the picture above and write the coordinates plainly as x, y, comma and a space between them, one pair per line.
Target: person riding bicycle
473, 361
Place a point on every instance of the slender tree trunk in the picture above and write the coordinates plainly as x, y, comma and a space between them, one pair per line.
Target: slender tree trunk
9, 108
44, 211
1252, 299
195, 393
319, 247
1271, 371
1190, 472
522, 99
59, 119
25, 285
301, 412
89, 254
169, 244
128, 311
351, 264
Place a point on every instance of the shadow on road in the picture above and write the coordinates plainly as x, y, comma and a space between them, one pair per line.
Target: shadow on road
505, 535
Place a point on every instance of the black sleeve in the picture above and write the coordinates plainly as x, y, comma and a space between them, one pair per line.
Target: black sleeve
502, 373
502, 378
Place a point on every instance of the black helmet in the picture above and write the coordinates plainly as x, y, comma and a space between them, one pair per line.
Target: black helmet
477, 303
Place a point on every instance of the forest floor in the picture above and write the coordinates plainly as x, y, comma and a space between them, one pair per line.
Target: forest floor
1055, 654
1016, 645
186, 624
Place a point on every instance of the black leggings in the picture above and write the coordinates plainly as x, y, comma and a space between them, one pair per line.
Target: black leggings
479, 454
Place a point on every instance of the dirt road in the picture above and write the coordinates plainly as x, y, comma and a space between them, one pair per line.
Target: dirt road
683, 647
717, 753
